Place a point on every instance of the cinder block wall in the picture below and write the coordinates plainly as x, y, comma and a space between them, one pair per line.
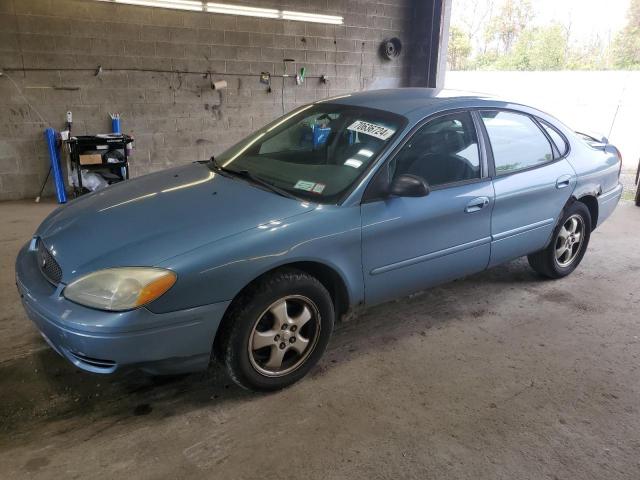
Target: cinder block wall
176, 117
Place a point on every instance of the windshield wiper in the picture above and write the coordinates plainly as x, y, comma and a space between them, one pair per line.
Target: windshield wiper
219, 168
246, 174
268, 185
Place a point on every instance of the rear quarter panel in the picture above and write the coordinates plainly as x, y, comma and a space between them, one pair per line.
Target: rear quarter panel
597, 176
597, 170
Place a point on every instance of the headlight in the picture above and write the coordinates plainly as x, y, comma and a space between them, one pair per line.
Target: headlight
119, 289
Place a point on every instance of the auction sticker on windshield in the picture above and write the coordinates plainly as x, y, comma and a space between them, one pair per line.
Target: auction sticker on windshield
378, 131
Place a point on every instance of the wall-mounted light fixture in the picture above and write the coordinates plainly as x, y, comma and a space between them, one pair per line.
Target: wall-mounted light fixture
242, 10
210, 7
173, 4
310, 17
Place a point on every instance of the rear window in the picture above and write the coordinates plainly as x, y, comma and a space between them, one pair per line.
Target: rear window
561, 144
516, 141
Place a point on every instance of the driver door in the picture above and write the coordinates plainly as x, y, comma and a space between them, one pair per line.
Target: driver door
411, 243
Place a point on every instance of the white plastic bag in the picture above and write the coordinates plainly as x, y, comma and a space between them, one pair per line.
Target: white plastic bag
90, 180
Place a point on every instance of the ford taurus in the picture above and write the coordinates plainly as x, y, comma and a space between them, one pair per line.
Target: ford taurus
343, 203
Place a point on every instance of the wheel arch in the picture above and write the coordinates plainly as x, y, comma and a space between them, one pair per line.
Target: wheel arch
591, 203
330, 278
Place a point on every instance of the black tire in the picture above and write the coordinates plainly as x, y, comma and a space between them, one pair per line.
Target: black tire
545, 262
252, 307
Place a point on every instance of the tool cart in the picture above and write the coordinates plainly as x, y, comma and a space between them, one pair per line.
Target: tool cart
106, 155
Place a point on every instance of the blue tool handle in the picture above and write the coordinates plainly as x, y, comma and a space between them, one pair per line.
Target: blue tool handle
56, 167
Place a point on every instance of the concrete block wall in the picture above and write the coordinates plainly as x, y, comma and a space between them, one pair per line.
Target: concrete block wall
176, 117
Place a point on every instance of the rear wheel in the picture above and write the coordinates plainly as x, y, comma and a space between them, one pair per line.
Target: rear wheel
277, 331
568, 245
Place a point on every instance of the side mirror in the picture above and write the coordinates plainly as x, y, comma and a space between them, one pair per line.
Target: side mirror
407, 185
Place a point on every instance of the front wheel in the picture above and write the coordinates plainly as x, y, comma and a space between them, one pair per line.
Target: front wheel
568, 245
277, 331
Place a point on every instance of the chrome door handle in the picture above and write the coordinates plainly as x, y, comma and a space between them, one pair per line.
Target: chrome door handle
563, 181
477, 204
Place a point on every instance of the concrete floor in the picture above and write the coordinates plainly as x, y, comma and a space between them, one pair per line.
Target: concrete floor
502, 375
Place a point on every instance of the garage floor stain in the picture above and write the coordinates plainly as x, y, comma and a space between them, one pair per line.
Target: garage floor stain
499, 375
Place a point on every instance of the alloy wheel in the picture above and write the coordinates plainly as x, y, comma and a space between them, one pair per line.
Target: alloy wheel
569, 240
284, 336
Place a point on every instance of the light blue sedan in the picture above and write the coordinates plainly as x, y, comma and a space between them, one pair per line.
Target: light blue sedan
341, 204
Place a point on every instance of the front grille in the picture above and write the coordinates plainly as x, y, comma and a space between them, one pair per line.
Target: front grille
48, 264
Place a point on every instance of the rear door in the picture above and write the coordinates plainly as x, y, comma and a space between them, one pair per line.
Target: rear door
532, 184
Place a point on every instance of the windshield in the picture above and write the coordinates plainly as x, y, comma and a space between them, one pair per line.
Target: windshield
316, 152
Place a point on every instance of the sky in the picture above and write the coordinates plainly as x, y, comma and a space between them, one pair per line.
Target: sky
588, 18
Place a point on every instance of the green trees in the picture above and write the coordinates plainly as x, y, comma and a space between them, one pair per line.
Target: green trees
505, 28
626, 48
533, 48
459, 49
503, 35
540, 48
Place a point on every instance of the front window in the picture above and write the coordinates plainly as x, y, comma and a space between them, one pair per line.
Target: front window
317, 152
444, 151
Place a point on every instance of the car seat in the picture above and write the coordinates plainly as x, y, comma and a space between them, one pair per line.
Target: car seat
435, 158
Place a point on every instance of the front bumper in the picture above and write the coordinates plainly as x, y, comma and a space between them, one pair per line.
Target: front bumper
103, 342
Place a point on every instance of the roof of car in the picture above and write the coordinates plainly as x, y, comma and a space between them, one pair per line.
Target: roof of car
405, 100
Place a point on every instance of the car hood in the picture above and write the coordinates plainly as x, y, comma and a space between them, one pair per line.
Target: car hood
155, 217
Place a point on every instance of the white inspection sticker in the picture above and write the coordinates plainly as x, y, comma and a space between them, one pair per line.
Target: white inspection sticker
304, 185
372, 129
